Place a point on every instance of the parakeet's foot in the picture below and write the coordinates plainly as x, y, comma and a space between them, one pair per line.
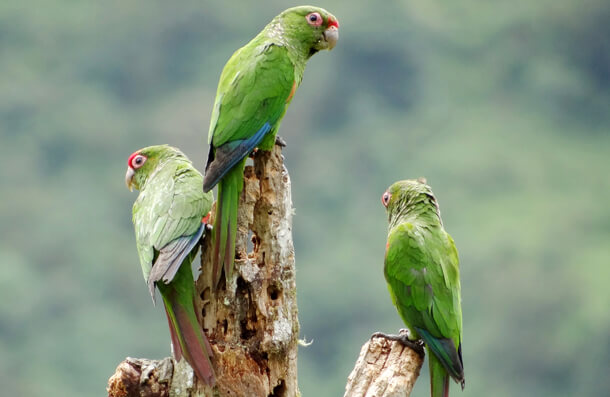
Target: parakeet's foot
208, 227
253, 153
416, 345
280, 141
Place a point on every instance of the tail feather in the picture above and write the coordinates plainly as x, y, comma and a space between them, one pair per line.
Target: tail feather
192, 344
219, 235
176, 349
188, 338
439, 378
445, 351
225, 222
232, 233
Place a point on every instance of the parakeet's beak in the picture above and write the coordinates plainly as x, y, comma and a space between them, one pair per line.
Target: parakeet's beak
129, 178
331, 36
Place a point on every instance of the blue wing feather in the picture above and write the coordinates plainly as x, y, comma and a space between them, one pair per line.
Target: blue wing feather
225, 157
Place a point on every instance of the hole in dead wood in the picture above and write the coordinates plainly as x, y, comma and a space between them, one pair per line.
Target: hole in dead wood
247, 318
225, 326
261, 264
205, 294
205, 299
261, 359
246, 332
242, 286
279, 390
274, 292
269, 212
253, 242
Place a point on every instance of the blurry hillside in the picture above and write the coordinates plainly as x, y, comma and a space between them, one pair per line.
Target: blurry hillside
503, 106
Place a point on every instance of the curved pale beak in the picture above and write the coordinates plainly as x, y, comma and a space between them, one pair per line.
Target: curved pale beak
129, 178
331, 36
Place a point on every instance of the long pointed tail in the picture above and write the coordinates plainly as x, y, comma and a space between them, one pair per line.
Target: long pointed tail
444, 350
188, 339
439, 378
225, 222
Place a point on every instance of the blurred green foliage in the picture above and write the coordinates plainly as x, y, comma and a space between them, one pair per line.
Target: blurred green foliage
503, 106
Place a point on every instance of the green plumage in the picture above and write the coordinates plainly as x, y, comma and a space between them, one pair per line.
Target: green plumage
422, 271
167, 216
254, 91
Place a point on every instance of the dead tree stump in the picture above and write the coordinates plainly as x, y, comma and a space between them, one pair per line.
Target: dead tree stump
252, 321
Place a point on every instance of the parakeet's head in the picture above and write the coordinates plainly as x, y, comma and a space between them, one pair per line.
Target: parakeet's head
313, 28
144, 161
404, 197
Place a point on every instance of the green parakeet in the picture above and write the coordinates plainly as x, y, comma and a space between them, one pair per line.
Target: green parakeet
255, 88
422, 271
170, 216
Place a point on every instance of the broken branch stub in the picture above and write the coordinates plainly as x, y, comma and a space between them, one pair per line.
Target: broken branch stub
384, 369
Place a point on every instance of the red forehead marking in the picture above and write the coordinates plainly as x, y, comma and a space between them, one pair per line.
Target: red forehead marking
134, 154
333, 22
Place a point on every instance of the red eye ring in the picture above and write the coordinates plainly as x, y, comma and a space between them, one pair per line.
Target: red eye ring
137, 161
385, 198
314, 19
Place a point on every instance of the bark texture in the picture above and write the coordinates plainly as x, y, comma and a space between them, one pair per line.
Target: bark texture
141, 377
250, 320
384, 369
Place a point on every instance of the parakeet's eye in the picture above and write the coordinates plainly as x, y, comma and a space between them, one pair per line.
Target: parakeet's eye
314, 19
385, 198
138, 161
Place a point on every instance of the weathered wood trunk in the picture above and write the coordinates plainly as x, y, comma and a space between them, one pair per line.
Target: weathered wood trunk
251, 320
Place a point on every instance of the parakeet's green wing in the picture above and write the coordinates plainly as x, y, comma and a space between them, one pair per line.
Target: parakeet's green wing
252, 91
423, 279
167, 211
252, 97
